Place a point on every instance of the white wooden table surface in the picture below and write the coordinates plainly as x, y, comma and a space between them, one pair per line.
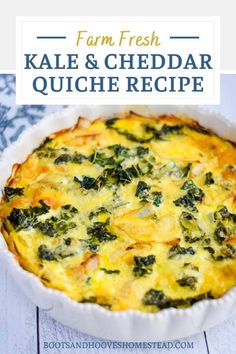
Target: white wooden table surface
24, 329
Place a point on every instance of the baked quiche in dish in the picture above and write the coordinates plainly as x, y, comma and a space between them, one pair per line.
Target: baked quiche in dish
130, 212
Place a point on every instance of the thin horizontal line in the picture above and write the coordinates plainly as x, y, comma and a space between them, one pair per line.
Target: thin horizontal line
184, 37
51, 37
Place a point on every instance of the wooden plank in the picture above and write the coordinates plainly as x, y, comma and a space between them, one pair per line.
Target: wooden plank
17, 319
222, 338
52, 332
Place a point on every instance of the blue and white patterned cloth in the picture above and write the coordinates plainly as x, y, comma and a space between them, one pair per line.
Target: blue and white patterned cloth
15, 119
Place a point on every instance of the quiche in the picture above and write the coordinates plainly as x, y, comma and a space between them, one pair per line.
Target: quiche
130, 212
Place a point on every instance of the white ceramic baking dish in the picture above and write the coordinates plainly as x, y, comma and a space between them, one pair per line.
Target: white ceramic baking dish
93, 319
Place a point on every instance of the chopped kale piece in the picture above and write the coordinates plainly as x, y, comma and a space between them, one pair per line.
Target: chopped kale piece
91, 299
221, 214
193, 191
45, 253
40, 210
188, 185
62, 252
49, 227
25, 218
115, 176
21, 218
95, 213
143, 192
44, 150
68, 211
70, 208
45, 142
133, 137
47, 153
101, 159
88, 280
87, 182
232, 218
123, 176
93, 247
225, 224
144, 261
75, 158
191, 266
209, 179
124, 152
55, 254
192, 300
169, 129
192, 239
143, 265
55, 227
140, 272
191, 231
157, 298
95, 300
194, 194
176, 171
10, 192
145, 167
185, 171
133, 171
110, 271
78, 158
64, 158
220, 234
189, 281
50, 152
114, 173
186, 202
206, 241
164, 131
209, 249
99, 232
120, 150
142, 151
142, 189
157, 198
226, 252
180, 251
110, 124
67, 241
103, 180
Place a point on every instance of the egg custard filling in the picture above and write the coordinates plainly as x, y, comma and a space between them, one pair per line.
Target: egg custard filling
129, 213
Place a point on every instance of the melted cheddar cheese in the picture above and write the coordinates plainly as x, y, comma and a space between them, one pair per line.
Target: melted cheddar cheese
130, 213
